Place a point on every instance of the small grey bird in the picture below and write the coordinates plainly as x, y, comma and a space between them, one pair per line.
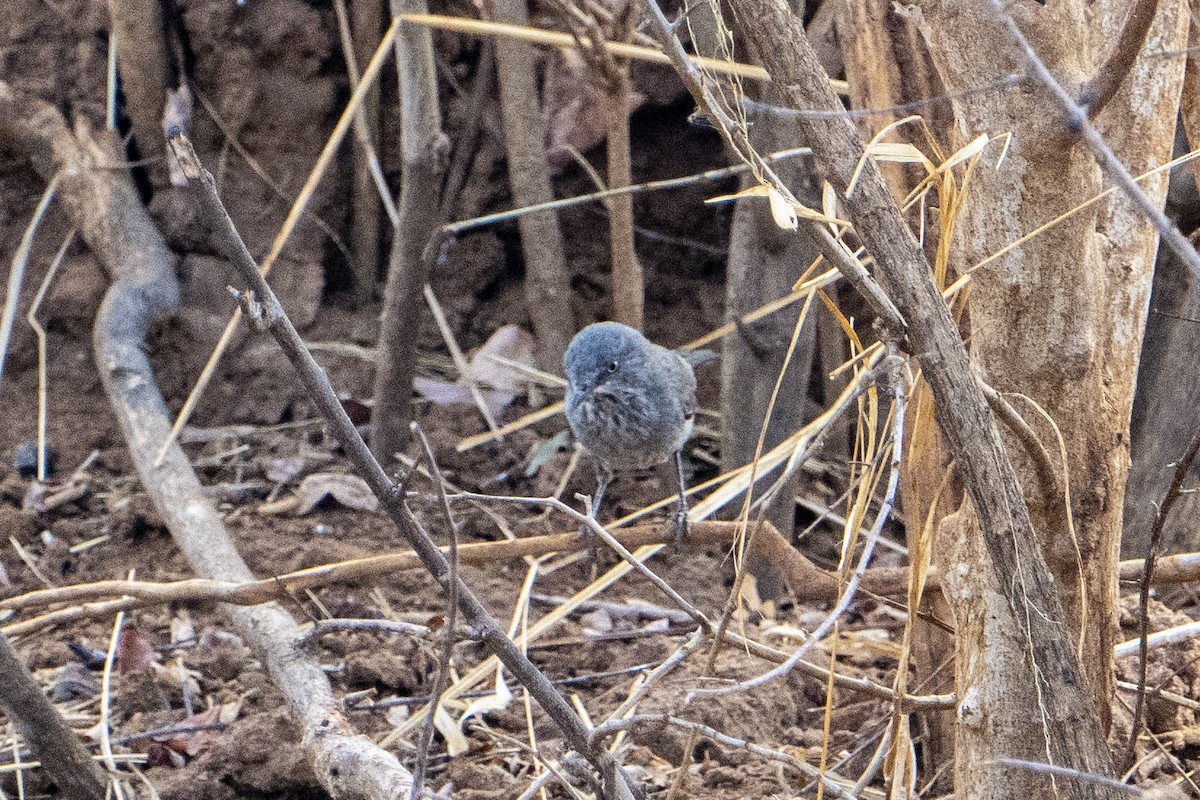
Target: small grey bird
631, 403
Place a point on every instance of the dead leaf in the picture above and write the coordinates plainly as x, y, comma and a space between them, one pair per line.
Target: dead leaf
135, 653
576, 110
348, 490
497, 368
359, 411
200, 731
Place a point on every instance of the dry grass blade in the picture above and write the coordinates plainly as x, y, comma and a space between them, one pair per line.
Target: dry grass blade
40, 331
106, 690
16, 272
564, 40
460, 360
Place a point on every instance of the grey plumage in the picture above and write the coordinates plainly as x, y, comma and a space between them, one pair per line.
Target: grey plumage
630, 402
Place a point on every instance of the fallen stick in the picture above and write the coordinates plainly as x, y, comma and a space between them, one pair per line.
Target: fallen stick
808, 582
104, 205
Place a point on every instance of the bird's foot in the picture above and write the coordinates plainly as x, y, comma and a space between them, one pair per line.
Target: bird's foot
682, 531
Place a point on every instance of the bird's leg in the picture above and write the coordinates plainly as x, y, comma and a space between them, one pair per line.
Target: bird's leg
681, 513
603, 476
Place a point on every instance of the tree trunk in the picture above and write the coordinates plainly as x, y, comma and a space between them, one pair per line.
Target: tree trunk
1064, 331
425, 150
764, 262
144, 70
547, 281
1165, 414
628, 284
367, 20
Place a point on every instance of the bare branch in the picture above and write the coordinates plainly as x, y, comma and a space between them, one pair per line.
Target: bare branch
48, 735
1182, 467
616, 782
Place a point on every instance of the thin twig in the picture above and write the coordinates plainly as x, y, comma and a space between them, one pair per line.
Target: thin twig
619, 784
658, 673
1066, 772
45, 731
324, 626
443, 671
757, 108
1182, 467
708, 176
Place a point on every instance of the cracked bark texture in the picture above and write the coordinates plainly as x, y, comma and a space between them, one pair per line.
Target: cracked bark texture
1059, 319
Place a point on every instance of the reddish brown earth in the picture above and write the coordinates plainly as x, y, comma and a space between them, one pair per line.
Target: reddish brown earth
273, 72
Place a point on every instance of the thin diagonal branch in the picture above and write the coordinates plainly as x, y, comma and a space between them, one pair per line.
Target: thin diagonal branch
617, 783
1182, 467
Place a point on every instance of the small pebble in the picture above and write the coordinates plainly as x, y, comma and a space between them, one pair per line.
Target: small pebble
25, 459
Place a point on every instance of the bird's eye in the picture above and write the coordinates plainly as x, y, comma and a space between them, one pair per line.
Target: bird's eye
613, 366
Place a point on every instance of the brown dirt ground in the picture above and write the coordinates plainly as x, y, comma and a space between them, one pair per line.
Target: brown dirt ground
273, 72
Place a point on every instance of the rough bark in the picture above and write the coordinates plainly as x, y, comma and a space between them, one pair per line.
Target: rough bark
886, 65
425, 150
104, 206
44, 730
1023, 692
547, 281
1065, 332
